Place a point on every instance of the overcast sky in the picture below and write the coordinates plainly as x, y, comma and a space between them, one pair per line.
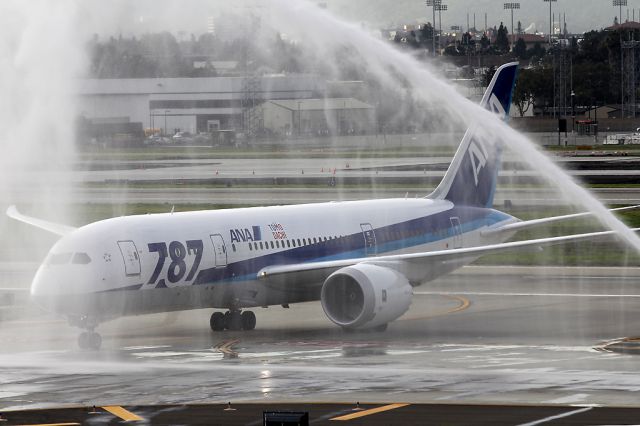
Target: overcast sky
190, 15
582, 15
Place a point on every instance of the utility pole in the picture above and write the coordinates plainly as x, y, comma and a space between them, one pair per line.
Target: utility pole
551, 19
512, 6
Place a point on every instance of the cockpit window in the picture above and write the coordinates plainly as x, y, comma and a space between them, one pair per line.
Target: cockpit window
59, 258
81, 259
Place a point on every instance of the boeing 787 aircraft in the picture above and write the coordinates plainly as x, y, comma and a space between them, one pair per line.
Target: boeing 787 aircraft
360, 259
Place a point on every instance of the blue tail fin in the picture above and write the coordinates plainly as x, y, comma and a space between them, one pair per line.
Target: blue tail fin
471, 177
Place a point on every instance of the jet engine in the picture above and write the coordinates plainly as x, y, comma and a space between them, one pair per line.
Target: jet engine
365, 296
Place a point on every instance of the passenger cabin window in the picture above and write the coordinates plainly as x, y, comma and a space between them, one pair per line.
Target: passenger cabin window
59, 258
81, 259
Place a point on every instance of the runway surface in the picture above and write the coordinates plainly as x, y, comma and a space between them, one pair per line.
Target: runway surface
270, 195
485, 335
171, 181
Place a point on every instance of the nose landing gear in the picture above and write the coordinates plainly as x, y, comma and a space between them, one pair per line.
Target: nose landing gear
88, 339
233, 320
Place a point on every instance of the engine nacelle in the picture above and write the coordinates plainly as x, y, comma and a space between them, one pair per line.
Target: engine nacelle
365, 295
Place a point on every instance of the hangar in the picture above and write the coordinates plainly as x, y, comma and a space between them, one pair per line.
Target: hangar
317, 117
170, 105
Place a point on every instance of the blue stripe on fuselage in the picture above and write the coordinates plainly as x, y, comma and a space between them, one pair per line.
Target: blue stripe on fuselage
403, 235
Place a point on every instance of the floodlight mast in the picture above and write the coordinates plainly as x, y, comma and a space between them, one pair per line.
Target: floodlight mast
551, 20
512, 6
436, 5
440, 9
620, 3
432, 4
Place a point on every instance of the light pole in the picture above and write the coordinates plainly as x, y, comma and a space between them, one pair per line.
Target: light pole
165, 121
299, 129
551, 21
512, 6
573, 114
620, 3
433, 4
442, 7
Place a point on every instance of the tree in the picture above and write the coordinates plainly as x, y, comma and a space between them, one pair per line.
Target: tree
488, 75
484, 42
536, 51
502, 39
426, 33
519, 31
523, 96
520, 49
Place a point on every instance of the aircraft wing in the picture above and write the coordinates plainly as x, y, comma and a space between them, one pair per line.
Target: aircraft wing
317, 270
518, 226
52, 227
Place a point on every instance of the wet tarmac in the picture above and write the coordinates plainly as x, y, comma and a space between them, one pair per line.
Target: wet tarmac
326, 414
483, 336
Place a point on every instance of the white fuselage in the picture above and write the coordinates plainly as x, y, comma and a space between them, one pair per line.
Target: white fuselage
162, 262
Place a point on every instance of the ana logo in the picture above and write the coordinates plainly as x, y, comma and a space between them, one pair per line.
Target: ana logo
478, 156
495, 106
246, 234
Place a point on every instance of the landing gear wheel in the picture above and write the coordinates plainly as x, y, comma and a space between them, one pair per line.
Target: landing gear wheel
248, 320
83, 340
233, 321
89, 340
217, 321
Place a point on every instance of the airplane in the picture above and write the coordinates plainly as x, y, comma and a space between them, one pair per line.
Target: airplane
360, 259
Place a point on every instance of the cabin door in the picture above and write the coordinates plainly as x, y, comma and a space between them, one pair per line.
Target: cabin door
130, 257
219, 250
457, 232
370, 248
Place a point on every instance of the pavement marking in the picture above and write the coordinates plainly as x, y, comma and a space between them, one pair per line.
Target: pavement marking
54, 424
482, 293
464, 304
570, 399
558, 416
124, 414
369, 412
226, 348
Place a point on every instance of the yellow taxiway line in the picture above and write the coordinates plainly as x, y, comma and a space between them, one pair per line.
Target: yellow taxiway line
124, 414
369, 412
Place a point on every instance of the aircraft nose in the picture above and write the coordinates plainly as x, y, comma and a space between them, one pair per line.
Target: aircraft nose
46, 288
43, 283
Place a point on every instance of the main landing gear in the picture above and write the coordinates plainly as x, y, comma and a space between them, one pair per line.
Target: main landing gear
233, 320
89, 340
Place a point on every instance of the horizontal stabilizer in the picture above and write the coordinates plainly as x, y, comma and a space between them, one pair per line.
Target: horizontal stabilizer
55, 228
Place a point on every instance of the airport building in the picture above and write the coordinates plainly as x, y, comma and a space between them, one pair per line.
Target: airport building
170, 105
317, 117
